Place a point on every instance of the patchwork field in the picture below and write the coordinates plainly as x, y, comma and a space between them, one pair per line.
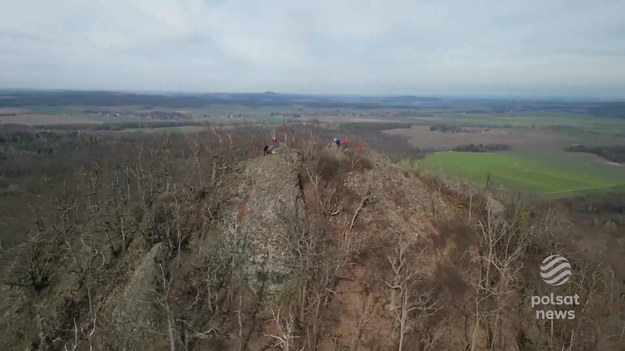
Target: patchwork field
536, 132
182, 129
546, 173
537, 162
562, 121
422, 137
43, 119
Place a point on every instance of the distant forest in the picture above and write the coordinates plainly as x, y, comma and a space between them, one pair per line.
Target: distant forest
445, 128
612, 153
103, 98
482, 147
609, 109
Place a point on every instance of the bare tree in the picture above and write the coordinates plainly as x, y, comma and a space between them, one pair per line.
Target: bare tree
407, 305
36, 266
504, 241
285, 330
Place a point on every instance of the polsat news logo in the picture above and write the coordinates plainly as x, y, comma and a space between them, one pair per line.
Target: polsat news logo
555, 270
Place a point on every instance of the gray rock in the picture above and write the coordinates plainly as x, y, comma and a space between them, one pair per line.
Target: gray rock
135, 313
272, 197
493, 206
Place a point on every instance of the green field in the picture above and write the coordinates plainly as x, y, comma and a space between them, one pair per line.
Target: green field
545, 173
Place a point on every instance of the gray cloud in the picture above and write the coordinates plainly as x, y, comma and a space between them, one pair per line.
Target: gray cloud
326, 46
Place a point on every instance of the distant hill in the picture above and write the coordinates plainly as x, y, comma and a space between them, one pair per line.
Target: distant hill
17, 98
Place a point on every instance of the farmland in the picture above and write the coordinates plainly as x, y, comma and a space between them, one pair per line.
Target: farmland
536, 132
547, 174
44, 119
537, 162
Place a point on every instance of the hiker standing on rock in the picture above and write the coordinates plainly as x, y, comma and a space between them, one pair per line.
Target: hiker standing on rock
274, 144
337, 142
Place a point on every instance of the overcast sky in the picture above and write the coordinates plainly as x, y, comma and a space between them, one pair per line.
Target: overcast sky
529, 47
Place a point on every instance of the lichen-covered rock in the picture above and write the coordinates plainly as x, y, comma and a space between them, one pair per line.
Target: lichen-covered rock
135, 313
266, 199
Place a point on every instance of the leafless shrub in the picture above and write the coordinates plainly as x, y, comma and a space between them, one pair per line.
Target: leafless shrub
409, 304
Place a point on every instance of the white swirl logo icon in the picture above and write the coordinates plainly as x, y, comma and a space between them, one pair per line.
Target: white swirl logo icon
555, 270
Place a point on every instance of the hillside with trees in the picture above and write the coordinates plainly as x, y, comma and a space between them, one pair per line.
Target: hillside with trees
196, 243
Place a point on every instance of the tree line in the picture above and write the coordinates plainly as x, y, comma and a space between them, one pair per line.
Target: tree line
614, 153
482, 147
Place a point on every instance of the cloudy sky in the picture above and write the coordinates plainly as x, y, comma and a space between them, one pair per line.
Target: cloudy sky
437, 47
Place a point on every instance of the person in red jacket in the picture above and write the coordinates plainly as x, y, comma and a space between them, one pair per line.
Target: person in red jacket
344, 142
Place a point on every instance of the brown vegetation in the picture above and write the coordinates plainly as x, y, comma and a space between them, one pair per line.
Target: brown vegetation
202, 242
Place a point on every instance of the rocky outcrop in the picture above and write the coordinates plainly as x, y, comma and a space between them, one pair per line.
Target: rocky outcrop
256, 213
265, 200
135, 313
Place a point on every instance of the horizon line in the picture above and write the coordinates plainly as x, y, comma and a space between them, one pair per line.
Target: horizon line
467, 96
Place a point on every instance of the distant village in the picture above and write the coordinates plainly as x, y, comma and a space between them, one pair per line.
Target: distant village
160, 115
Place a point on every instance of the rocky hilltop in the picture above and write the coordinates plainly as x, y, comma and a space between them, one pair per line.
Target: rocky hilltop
312, 249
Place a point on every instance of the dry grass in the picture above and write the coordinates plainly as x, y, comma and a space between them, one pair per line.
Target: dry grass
422, 137
40, 119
